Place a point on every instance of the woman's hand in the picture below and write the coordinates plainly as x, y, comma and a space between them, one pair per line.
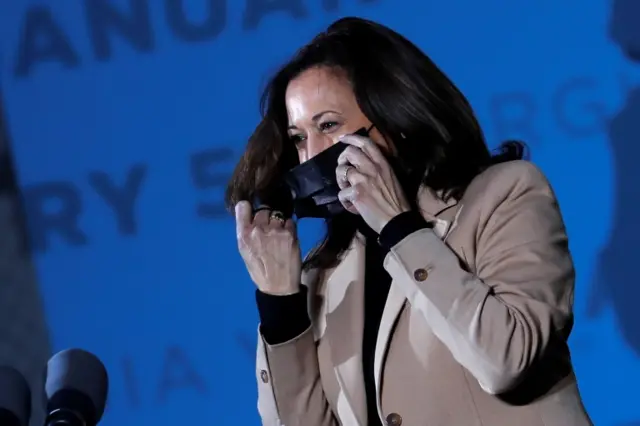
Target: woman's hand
269, 247
368, 184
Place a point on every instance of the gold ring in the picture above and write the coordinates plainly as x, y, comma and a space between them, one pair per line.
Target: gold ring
345, 175
276, 215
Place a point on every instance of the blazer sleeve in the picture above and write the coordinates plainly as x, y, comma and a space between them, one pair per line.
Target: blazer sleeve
498, 321
289, 387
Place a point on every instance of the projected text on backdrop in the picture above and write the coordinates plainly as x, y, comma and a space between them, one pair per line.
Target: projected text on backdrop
44, 39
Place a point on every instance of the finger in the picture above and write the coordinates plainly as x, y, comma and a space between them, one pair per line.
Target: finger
260, 208
349, 195
276, 219
357, 158
290, 225
347, 205
261, 218
347, 175
243, 216
368, 146
342, 175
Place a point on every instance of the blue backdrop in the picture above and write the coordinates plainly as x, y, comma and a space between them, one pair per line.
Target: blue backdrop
126, 118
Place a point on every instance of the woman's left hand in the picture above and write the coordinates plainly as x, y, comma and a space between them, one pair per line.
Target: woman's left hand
369, 186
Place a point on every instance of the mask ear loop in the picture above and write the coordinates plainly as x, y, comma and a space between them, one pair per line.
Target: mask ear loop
370, 128
402, 135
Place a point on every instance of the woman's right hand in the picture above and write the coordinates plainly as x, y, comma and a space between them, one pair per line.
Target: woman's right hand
269, 247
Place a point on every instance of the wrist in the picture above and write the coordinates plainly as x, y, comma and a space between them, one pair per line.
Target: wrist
282, 318
280, 292
400, 227
390, 218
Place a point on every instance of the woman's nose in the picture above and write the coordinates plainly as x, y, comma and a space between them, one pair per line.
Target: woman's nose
316, 144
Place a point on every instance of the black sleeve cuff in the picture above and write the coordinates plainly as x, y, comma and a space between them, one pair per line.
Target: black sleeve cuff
401, 227
282, 318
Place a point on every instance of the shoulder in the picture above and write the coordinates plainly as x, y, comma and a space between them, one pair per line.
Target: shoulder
510, 198
509, 180
512, 175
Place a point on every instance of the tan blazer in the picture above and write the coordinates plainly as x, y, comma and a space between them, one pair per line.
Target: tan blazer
474, 329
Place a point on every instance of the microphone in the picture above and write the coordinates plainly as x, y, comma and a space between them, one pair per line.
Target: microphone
15, 398
76, 388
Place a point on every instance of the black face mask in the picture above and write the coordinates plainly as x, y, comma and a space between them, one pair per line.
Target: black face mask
311, 188
314, 186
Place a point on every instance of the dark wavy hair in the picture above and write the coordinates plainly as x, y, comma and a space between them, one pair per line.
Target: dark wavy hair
438, 139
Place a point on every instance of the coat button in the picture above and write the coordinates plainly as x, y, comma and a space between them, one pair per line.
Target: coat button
394, 419
420, 274
264, 376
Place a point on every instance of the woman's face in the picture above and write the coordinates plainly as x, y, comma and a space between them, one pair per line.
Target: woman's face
321, 107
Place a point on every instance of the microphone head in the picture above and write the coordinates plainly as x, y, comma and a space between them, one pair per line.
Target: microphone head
15, 398
77, 381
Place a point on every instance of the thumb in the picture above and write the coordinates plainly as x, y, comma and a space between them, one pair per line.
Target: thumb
243, 212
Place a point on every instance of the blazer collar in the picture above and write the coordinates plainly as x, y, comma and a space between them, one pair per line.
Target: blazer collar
431, 204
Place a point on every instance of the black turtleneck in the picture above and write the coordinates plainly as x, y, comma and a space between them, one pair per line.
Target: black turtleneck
282, 318
376, 289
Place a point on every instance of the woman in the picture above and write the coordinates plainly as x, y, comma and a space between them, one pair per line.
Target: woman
442, 295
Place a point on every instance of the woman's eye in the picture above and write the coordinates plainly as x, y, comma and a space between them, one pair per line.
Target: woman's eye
296, 139
329, 125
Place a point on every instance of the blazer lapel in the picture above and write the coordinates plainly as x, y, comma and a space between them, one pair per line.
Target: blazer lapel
344, 316
443, 215
393, 307
344, 332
